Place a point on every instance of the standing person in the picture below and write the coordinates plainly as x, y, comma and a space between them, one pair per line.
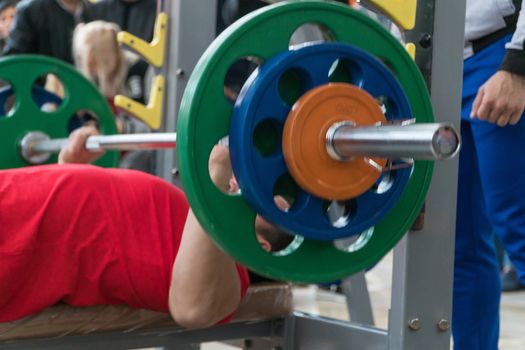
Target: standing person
136, 17
491, 187
7, 13
44, 27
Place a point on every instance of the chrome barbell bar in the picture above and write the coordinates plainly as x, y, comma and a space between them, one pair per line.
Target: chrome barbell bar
344, 140
36, 147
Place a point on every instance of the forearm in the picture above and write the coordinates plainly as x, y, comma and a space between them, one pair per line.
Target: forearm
205, 285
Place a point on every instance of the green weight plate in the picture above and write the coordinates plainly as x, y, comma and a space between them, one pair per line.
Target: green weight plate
80, 95
205, 116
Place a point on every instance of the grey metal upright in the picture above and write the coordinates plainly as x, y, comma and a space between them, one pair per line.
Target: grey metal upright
192, 26
420, 316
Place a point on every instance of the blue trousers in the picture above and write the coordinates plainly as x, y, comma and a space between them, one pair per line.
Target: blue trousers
491, 199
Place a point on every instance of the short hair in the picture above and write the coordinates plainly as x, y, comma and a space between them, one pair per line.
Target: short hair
4, 4
277, 238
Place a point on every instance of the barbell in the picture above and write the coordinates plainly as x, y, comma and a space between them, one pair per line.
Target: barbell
360, 140
343, 142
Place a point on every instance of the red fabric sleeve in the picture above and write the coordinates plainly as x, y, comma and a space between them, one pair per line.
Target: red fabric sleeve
244, 277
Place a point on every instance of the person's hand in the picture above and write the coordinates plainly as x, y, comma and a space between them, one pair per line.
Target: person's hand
501, 99
75, 151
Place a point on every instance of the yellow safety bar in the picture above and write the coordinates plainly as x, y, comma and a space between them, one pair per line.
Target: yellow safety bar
411, 48
402, 12
150, 114
152, 52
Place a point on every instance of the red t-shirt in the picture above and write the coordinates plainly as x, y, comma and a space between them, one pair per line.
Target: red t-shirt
87, 236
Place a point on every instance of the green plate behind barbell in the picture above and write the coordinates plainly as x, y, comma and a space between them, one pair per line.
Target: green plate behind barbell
80, 95
205, 116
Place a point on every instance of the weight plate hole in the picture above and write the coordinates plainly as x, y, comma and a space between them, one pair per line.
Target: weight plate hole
384, 183
274, 240
9, 98
345, 71
292, 85
340, 213
237, 75
267, 136
285, 192
389, 107
52, 83
83, 117
310, 33
354, 243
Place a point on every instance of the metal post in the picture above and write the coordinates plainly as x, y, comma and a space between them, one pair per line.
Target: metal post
191, 30
423, 262
358, 299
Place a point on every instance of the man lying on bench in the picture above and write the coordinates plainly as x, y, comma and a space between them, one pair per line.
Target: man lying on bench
87, 236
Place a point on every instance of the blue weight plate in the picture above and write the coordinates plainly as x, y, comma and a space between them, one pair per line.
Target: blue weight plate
261, 111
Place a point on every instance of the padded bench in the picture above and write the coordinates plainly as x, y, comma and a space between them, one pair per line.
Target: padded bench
263, 301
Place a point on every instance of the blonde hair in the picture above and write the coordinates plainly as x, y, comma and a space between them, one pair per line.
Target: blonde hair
98, 56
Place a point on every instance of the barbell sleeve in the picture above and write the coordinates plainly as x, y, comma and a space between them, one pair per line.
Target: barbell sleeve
434, 141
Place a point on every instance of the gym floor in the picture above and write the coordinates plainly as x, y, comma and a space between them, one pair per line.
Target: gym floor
311, 299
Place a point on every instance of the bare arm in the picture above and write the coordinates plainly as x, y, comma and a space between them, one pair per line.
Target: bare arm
205, 285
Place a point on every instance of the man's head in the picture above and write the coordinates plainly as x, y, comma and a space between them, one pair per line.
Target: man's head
270, 237
7, 13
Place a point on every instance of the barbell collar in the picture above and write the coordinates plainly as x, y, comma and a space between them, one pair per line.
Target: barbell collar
431, 141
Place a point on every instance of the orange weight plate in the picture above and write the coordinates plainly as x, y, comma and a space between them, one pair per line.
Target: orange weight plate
304, 141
